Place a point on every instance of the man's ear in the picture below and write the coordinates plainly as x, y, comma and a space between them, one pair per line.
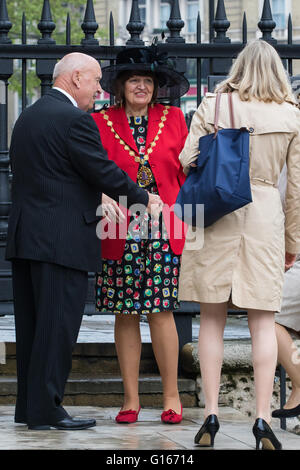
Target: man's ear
76, 78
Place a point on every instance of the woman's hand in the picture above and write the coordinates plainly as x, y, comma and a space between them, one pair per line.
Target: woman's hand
111, 211
289, 260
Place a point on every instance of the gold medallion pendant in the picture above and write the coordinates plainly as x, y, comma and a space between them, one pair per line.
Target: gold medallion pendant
144, 176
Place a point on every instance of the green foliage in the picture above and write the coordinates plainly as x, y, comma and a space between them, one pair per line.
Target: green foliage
33, 12
15, 82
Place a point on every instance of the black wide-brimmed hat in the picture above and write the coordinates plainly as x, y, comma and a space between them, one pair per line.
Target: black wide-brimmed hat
172, 84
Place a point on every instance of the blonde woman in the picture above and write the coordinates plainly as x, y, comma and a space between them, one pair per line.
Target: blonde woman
244, 252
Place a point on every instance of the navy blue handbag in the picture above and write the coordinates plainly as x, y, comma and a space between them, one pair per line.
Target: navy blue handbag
220, 182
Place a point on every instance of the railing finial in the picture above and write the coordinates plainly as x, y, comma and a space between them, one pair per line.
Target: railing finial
46, 25
135, 26
267, 23
175, 24
5, 24
221, 23
245, 30
111, 30
68, 29
89, 25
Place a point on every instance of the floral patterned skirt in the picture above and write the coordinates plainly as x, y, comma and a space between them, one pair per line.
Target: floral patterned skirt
145, 279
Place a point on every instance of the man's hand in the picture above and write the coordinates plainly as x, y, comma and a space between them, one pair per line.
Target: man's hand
155, 205
289, 260
111, 211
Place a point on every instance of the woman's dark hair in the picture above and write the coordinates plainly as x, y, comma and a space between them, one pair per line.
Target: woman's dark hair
124, 76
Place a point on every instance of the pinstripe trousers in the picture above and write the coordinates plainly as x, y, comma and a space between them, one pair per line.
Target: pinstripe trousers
49, 302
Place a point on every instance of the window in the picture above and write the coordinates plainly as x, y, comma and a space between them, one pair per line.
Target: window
192, 13
165, 10
142, 7
278, 10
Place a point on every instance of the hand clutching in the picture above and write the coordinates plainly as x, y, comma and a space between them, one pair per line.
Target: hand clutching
289, 260
155, 205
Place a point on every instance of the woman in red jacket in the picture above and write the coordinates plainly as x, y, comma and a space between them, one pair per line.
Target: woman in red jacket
141, 255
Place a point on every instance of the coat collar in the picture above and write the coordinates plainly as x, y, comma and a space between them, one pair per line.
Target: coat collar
120, 123
58, 95
64, 92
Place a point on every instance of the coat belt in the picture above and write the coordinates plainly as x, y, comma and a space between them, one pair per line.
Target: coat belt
263, 180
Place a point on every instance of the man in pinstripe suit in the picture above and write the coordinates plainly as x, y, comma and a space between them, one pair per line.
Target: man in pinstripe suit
59, 171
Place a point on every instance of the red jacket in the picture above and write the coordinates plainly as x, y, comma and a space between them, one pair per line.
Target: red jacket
163, 161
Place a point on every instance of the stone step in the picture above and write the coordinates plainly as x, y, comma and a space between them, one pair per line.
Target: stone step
89, 359
107, 391
95, 379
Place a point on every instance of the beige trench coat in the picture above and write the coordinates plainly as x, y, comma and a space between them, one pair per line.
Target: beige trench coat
243, 252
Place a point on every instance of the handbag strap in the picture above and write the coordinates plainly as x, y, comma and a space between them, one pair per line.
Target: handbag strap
230, 102
217, 112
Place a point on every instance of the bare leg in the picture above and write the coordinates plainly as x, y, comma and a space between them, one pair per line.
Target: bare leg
128, 346
287, 357
264, 357
211, 351
165, 347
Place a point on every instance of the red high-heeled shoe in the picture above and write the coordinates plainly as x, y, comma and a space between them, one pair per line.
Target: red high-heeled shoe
127, 416
171, 417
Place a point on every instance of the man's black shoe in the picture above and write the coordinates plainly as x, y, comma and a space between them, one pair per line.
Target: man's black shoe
68, 424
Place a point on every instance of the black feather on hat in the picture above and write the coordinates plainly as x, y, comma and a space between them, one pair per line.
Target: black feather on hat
172, 84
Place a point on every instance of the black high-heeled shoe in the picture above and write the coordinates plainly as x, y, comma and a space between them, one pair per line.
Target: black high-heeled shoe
286, 412
205, 437
264, 434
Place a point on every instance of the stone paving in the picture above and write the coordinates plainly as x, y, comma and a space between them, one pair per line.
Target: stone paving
99, 329
147, 434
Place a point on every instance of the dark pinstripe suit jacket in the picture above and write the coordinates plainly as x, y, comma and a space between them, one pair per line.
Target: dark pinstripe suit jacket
59, 171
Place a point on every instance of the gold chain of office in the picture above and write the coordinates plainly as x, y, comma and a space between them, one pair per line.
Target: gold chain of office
144, 176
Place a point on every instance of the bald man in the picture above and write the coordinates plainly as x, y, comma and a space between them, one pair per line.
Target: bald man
59, 171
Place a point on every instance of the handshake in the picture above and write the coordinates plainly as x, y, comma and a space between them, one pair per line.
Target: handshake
155, 205
113, 213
